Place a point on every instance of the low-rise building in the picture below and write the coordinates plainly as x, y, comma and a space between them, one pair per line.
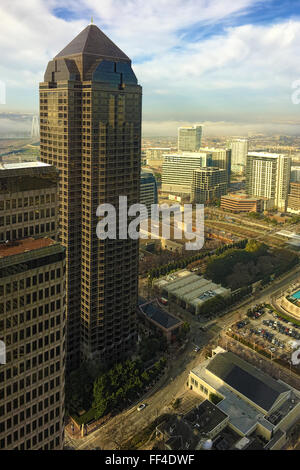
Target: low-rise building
189, 290
255, 403
158, 319
239, 202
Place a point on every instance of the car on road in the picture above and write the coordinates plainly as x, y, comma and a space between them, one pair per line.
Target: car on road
196, 349
141, 407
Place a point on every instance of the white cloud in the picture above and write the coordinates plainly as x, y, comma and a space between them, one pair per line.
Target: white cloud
250, 59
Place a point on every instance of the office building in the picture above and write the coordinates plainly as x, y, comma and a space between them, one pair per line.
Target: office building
209, 183
294, 198
268, 176
177, 171
90, 118
32, 309
148, 191
221, 158
295, 174
32, 326
239, 202
239, 151
155, 156
28, 200
189, 139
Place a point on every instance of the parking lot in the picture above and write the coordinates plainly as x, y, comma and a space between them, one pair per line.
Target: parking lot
264, 328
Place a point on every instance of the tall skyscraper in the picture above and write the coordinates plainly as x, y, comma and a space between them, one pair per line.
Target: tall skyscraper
208, 183
189, 138
239, 151
32, 310
177, 171
268, 176
90, 117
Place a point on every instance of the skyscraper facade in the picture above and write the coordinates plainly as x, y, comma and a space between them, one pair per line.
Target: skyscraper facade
239, 151
28, 201
90, 117
268, 176
221, 158
208, 184
32, 309
189, 138
177, 171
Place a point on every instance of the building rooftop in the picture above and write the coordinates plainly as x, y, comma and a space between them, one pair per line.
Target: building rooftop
191, 287
205, 417
19, 166
265, 154
178, 434
93, 41
240, 197
25, 245
154, 312
257, 386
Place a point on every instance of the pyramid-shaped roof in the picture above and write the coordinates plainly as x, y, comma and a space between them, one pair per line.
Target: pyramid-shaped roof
93, 41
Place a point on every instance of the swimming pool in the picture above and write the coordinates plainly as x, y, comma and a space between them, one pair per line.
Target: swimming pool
296, 295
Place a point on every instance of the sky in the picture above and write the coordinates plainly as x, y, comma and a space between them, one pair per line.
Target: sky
230, 65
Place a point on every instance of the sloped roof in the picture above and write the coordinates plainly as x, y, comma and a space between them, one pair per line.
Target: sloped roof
257, 386
94, 42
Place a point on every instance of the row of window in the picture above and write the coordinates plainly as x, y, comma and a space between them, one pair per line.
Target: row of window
19, 386
27, 231
202, 388
30, 379
31, 443
28, 299
26, 216
9, 204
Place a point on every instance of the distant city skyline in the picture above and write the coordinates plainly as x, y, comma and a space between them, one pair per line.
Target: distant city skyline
227, 65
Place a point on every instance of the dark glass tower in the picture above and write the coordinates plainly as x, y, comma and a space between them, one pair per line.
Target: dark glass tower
90, 114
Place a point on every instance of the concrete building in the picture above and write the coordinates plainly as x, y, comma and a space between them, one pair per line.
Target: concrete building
293, 204
189, 138
239, 202
32, 309
28, 200
221, 158
295, 174
268, 176
209, 183
189, 290
239, 151
90, 116
177, 171
255, 403
155, 156
32, 326
148, 191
